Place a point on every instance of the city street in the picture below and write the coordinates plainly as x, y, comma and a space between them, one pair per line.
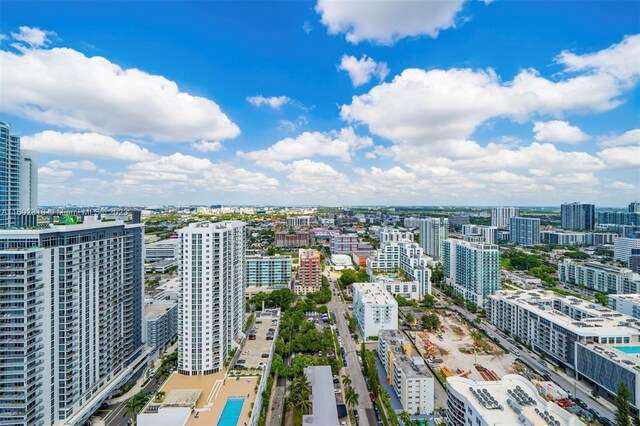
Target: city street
365, 408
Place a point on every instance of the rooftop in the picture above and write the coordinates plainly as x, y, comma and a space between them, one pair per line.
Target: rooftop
323, 398
629, 297
511, 401
161, 243
308, 254
156, 308
596, 319
413, 367
374, 294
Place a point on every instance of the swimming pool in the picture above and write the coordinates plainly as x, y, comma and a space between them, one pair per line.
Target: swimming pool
231, 411
628, 349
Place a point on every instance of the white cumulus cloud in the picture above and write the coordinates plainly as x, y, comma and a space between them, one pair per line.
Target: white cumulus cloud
627, 138
342, 145
80, 165
386, 22
85, 145
207, 146
34, 37
558, 131
361, 70
274, 102
63, 87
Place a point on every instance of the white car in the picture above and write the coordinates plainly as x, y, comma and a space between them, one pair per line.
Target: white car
337, 391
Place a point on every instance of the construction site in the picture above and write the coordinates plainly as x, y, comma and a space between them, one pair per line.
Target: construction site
456, 343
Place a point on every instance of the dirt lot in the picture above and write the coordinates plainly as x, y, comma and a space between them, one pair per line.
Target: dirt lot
459, 350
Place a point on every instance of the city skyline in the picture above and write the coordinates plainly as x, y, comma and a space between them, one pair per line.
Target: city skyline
348, 107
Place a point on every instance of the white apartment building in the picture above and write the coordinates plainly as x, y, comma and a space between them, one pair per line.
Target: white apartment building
500, 216
411, 222
406, 372
433, 232
524, 231
164, 249
622, 248
552, 323
599, 277
267, 271
72, 319
211, 302
393, 235
627, 304
472, 269
295, 221
401, 268
344, 243
488, 234
374, 309
513, 400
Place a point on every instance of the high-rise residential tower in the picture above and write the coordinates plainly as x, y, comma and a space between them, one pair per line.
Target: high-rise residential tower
578, 216
211, 300
634, 207
433, 232
9, 176
472, 269
71, 323
524, 231
28, 180
500, 216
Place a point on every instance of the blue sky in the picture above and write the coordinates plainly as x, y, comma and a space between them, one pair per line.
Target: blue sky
327, 102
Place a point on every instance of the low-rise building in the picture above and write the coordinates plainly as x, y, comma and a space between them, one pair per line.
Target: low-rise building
552, 323
511, 401
401, 268
406, 372
627, 304
341, 261
393, 235
161, 317
161, 266
374, 309
267, 271
309, 277
285, 239
159, 250
344, 243
599, 277
360, 256
324, 409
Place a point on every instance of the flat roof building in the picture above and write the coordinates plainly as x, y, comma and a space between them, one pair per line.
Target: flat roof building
267, 271
309, 277
159, 250
472, 269
374, 309
627, 304
511, 401
324, 409
406, 372
599, 277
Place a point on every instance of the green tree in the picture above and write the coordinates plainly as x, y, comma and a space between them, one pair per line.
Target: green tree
409, 319
623, 395
346, 380
602, 299
351, 397
405, 417
428, 301
430, 321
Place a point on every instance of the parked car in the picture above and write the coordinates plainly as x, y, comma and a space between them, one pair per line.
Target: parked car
265, 355
356, 415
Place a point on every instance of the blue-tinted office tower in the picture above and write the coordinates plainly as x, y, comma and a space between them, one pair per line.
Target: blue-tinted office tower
524, 231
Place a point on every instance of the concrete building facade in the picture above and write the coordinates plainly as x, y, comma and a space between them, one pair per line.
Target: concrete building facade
472, 269
309, 277
374, 309
267, 271
599, 277
211, 301
578, 216
500, 216
433, 232
524, 231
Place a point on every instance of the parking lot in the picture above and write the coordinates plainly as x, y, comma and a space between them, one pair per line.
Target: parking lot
257, 348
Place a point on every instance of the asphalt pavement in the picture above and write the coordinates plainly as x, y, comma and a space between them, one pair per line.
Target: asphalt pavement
364, 407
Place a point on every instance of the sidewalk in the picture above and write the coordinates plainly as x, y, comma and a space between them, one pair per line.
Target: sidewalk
138, 386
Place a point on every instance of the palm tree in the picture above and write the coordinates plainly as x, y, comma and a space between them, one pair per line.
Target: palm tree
351, 397
409, 319
304, 404
159, 395
346, 380
300, 384
405, 417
